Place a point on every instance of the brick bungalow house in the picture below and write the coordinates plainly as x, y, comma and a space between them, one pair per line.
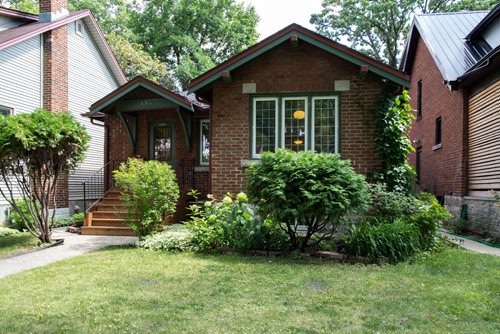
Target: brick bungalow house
454, 63
59, 61
295, 89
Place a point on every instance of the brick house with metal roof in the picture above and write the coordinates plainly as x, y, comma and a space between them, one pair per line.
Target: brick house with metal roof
453, 60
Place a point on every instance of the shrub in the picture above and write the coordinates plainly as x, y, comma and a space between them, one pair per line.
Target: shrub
428, 219
397, 241
5, 231
173, 238
14, 219
150, 191
233, 223
390, 204
306, 188
36, 151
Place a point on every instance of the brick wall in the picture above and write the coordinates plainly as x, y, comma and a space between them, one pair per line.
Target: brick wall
120, 149
287, 70
443, 169
54, 6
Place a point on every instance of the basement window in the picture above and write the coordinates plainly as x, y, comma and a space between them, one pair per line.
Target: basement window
79, 29
6, 111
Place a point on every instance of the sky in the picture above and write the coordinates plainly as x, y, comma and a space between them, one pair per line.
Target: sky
277, 14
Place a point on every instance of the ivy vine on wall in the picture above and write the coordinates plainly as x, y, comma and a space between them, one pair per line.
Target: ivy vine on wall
393, 118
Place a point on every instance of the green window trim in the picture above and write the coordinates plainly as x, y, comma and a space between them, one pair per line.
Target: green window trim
310, 98
200, 146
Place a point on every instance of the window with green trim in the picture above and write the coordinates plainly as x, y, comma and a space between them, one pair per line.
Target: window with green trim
297, 123
265, 125
204, 142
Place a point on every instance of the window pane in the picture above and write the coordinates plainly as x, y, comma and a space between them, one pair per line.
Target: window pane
265, 126
324, 125
205, 142
162, 143
5, 111
295, 124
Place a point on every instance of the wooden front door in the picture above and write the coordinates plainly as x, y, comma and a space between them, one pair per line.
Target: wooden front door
162, 141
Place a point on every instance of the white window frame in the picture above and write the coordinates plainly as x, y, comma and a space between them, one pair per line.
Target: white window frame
205, 120
254, 123
79, 32
306, 117
337, 118
10, 109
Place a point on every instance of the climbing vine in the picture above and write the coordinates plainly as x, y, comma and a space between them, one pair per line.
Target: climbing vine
393, 120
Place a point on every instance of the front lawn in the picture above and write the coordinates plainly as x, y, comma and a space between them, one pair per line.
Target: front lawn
129, 290
15, 244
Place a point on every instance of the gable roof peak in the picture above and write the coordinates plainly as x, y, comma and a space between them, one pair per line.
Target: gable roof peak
308, 36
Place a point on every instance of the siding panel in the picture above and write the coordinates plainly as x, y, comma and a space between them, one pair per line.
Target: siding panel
20, 79
89, 80
484, 140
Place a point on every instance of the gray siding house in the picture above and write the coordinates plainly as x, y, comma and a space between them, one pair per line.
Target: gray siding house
89, 71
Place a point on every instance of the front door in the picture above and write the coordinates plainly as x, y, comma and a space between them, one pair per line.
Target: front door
162, 141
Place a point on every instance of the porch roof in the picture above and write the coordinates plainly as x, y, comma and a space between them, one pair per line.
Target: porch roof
100, 106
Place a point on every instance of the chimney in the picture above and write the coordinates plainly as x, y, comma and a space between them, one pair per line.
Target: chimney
55, 71
52, 10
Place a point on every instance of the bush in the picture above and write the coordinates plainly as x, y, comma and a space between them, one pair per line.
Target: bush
390, 204
397, 241
310, 189
232, 223
150, 191
173, 238
5, 231
428, 219
14, 219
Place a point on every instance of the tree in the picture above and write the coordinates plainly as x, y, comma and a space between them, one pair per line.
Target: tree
191, 36
113, 17
36, 150
379, 28
135, 61
305, 189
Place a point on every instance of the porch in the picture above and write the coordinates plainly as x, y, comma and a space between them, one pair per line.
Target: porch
146, 121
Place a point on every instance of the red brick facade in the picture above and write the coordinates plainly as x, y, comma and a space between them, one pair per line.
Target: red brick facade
186, 164
443, 169
284, 69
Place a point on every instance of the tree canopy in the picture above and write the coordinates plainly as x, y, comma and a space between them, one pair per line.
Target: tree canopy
379, 28
168, 41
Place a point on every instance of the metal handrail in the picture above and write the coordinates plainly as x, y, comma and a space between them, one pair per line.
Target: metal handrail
94, 187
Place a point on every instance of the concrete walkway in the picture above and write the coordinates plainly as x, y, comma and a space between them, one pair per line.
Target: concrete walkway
74, 245
472, 245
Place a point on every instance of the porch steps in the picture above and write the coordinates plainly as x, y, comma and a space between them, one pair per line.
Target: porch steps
107, 217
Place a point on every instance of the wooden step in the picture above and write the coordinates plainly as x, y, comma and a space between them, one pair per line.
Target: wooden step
109, 222
107, 230
111, 201
110, 207
109, 214
113, 195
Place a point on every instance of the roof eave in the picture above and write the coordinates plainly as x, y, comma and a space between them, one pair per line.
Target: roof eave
282, 36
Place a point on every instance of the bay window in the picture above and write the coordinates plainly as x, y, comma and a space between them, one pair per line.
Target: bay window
297, 123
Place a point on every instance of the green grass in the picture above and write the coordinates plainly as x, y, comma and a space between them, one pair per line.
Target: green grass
123, 290
17, 244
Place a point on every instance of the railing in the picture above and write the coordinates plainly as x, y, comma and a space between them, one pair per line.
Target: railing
97, 186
